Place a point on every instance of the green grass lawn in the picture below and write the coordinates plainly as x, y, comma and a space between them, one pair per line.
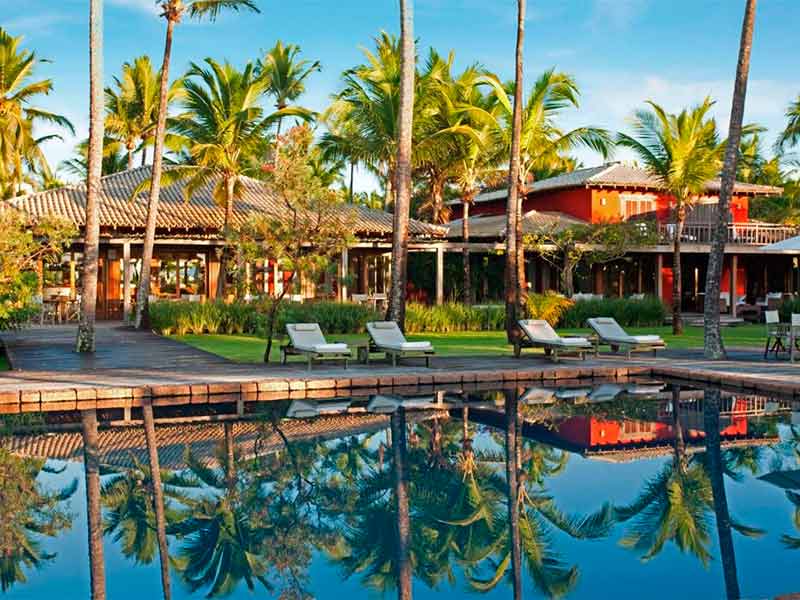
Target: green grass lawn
245, 348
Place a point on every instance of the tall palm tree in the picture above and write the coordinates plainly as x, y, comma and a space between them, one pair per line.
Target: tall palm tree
224, 128
713, 336
790, 136
91, 237
20, 149
172, 11
286, 75
682, 152
512, 283
91, 466
115, 159
514, 489
402, 204
29, 513
403, 523
132, 106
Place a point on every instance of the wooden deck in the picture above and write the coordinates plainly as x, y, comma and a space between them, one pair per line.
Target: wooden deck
130, 366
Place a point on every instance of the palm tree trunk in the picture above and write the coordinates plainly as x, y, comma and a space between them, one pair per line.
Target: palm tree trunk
398, 429
91, 240
711, 400
522, 287
512, 478
677, 429
143, 292
277, 140
352, 176
714, 348
512, 213
144, 155
130, 159
465, 251
91, 462
677, 288
158, 496
397, 300
226, 230
230, 461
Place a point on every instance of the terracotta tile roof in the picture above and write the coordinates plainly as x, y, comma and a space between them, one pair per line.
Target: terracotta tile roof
199, 215
494, 226
620, 175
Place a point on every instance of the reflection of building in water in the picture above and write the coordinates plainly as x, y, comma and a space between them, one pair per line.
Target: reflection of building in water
123, 446
628, 439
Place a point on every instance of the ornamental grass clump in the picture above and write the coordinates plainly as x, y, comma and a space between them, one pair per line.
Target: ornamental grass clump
628, 312
453, 316
550, 307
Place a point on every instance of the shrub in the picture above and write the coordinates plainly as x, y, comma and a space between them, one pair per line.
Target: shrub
628, 312
453, 316
333, 317
788, 308
549, 306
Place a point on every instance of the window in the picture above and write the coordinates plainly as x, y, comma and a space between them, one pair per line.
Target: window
633, 205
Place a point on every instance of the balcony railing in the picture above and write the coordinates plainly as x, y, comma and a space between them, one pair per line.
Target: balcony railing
746, 234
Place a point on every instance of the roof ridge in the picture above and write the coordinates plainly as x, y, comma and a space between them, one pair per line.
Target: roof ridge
608, 168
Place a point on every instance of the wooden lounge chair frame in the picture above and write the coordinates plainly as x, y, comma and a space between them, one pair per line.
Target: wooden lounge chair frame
627, 346
289, 349
395, 354
551, 350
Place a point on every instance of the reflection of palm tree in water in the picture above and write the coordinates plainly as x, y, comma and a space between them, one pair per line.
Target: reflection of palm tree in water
27, 513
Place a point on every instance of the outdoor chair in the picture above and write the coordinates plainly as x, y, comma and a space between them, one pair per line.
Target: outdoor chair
539, 334
386, 337
609, 333
306, 339
794, 337
777, 334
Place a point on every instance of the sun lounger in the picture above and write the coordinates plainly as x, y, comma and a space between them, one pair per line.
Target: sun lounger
386, 337
609, 333
539, 334
306, 339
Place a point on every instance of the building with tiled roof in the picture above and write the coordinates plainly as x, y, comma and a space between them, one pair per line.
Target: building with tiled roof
617, 192
189, 242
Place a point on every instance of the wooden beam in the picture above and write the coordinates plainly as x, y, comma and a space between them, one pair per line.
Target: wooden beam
126, 281
439, 276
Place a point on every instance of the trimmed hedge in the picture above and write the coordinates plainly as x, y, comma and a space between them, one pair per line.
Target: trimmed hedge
236, 318
453, 316
626, 311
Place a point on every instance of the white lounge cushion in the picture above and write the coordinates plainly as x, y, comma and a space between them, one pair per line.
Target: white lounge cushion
386, 334
648, 339
541, 332
308, 337
322, 348
610, 331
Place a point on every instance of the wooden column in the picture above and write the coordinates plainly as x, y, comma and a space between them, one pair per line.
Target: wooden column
659, 276
278, 279
213, 274
344, 270
126, 281
439, 275
639, 276
733, 294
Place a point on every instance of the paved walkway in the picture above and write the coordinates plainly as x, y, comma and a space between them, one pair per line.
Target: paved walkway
44, 362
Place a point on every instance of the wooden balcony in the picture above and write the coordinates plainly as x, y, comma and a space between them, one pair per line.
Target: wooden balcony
745, 234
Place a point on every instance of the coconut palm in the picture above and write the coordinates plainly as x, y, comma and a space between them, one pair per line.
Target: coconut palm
115, 159
20, 148
682, 152
791, 135
132, 106
719, 235
286, 75
172, 11
27, 514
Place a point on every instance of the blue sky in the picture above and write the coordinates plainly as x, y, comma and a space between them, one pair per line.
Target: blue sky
622, 52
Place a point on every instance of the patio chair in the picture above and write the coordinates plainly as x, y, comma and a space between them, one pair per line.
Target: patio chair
306, 339
777, 334
609, 333
539, 334
794, 336
386, 337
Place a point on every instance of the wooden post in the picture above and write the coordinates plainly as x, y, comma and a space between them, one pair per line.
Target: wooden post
126, 281
639, 275
344, 271
659, 276
733, 293
439, 275
278, 279
213, 274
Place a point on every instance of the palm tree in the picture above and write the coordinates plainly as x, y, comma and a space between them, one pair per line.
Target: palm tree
513, 289
20, 149
791, 135
132, 106
172, 11
29, 512
224, 128
91, 466
402, 204
286, 76
403, 523
91, 237
713, 336
514, 488
115, 159
682, 152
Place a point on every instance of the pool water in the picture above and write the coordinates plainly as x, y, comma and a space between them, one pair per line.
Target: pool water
636, 489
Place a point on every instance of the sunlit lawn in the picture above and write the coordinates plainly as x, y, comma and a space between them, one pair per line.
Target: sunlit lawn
244, 348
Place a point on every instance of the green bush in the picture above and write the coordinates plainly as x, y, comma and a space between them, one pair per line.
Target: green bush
453, 316
628, 312
333, 317
549, 306
788, 308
